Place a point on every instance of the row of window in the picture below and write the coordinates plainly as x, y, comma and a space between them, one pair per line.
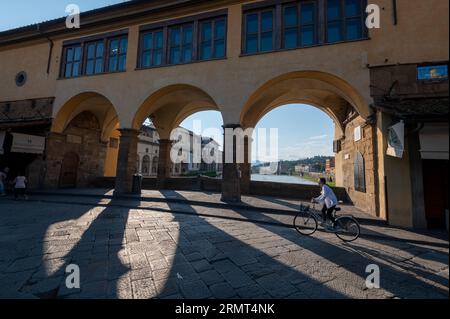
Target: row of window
299, 25
95, 57
194, 41
280, 26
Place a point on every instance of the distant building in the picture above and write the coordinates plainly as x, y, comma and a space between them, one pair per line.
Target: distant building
329, 165
302, 168
148, 153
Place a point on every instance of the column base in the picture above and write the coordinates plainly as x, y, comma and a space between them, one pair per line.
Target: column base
231, 184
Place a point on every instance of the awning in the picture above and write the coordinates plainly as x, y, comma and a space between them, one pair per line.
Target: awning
23, 143
434, 141
2, 140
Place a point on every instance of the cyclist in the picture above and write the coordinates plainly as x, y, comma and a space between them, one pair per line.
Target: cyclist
329, 201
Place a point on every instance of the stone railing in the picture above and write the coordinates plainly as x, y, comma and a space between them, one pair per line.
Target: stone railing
203, 183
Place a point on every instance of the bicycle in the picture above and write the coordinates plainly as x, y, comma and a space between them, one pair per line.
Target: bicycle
307, 222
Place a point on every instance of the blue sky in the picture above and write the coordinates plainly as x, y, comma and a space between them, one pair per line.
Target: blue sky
17, 13
303, 131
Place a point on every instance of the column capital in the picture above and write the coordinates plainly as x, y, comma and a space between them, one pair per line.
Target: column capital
233, 126
129, 132
165, 141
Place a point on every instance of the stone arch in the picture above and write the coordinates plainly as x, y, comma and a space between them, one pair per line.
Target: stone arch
170, 105
97, 104
154, 165
323, 90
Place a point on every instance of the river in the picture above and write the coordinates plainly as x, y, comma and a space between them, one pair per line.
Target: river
281, 179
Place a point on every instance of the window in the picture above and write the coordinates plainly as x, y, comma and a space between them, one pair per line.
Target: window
72, 66
259, 31
184, 40
152, 49
181, 40
295, 24
299, 25
360, 178
432, 73
94, 58
95, 54
145, 168
345, 20
212, 39
117, 54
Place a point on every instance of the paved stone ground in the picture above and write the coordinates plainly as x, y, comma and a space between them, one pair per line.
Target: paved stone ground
127, 248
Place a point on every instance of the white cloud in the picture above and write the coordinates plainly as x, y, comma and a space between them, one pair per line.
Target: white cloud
318, 137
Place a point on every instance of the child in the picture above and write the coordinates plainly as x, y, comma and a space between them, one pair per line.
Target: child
20, 186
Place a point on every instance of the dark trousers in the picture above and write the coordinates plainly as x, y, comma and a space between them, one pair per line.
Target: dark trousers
328, 213
19, 191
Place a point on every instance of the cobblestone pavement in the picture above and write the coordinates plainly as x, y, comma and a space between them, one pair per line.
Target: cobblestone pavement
127, 248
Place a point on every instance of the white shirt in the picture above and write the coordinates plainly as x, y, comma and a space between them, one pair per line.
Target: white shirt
327, 196
20, 182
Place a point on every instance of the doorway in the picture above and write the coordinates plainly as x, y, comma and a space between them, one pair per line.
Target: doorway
69, 169
435, 182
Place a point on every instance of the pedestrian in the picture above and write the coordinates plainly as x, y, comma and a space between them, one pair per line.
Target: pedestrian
20, 185
3, 178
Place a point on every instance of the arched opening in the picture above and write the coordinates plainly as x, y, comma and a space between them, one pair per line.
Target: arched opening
353, 129
205, 158
165, 124
87, 126
145, 166
304, 150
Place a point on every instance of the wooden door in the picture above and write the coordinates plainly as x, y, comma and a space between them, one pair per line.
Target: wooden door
69, 169
435, 182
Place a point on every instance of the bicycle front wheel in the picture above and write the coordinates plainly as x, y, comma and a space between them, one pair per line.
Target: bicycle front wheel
305, 224
348, 229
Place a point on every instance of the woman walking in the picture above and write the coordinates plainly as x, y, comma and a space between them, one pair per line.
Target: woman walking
20, 185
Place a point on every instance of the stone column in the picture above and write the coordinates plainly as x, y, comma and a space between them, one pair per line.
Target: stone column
54, 154
164, 161
126, 162
246, 166
231, 185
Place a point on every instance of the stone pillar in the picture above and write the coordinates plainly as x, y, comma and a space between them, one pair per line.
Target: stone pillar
164, 162
231, 185
126, 162
246, 166
54, 154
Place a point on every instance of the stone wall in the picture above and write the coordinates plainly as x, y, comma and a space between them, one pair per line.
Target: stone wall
367, 201
295, 191
83, 137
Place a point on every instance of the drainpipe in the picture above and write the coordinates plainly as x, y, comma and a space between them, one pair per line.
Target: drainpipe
394, 9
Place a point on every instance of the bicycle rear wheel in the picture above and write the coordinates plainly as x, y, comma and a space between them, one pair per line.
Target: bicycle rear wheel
348, 229
305, 224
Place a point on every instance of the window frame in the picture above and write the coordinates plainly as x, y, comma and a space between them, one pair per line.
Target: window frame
165, 26
181, 46
87, 59
118, 55
320, 25
142, 49
360, 173
213, 39
64, 61
299, 25
83, 44
259, 13
343, 22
